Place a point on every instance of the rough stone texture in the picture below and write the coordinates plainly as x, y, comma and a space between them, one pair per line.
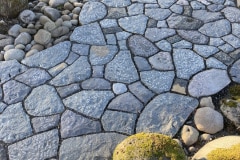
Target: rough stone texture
38, 103
193, 36
116, 13
40, 146
14, 124
231, 112
116, 70
189, 135
91, 12
58, 54
96, 84
14, 91
224, 58
162, 61
78, 71
45, 123
42, 37
158, 13
155, 119
142, 64
235, 72
80, 49
180, 86
156, 34
157, 81
206, 16
73, 124
187, 63
90, 103
116, 3
135, 24
88, 34
2, 106
182, 45
141, 46
67, 90
34, 77
208, 82
232, 14
119, 121
231, 39
126, 102
164, 45
208, 120
205, 51
94, 146
166, 4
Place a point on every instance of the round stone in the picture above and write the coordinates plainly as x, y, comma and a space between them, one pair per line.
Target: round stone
42, 37
189, 135
14, 54
119, 88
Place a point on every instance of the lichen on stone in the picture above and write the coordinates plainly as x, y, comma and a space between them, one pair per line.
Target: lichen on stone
148, 146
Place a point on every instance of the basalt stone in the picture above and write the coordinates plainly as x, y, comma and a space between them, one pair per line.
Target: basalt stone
90, 103
155, 119
141, 46
235, 72
193, 36
158, 14
156, 34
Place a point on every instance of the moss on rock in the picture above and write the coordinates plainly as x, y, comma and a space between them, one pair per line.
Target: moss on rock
148, 146
234, 91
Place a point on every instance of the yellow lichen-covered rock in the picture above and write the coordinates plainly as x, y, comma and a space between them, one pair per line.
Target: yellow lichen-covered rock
148, 146
232, 153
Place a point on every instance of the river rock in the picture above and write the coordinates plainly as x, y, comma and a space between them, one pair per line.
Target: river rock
42, 37
189, 135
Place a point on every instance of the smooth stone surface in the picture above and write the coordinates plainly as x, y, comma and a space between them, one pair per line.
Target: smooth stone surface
11, 54
189, 135
205, 51
119, 88
235, 72
68, 90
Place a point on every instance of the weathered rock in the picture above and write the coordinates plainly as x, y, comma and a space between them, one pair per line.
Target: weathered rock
207, 102
166, 4
45, 123
189, 135
42, 37
27, 16
142, 64
59, 31
206, 16
119, 88
162, 61
232, 14
56, 3
235, 71
156, 34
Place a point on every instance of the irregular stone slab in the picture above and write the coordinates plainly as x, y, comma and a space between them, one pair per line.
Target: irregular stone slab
166, 4
58, 54
231, 39
193, 36
100, 55
91, 12
164, 45
126, 102
182, 44
158, 14
187, 63
224, 57
179, 86
162, 61
67, 90
115, 13
142, 63
214, 63
40, 146
235, 71
119, 121
45, 123
14, 91
135, 9
90, 103
2, 106
157, 81
232, 14
155, 119
236, 29
116, 3
73, 124
208, 82
141, 46
206, 16
156, 34
216, 42
84, 34
78, 71
38, 103
117, 71
14, 124
135, 24
34, 77
94, 146
96, 84
80, 49
216, 29
205, 50
184, 22
11, 69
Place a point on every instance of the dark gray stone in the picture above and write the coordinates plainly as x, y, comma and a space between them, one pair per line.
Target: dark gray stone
193, 36
142, 63
116, 13
152, 23
112, 30
81, 49
88, 34
216, 29
91, 12
205, 50
164, 114
73, 124
40, 146
38, 103
3, 152
174, 39
14, 123
98, 71
162, 61
235, 72
11, 69
141, 46
158, 14
96, 84
33, 77
127, 102
45, 123
94, 146
216, 42
157, 81
49, 57
235, 54
100, 55
2, 106
52, 13
14, 91
67, 90
206, 16
180, 86
232, 14
78, 71
119, 122
226, 48
90, 103
116, 3
225, 58
117, 71
187, 63
233, 40
187, 10
156, 34
184, 22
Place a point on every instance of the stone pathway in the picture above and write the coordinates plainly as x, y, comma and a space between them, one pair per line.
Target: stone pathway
133, 66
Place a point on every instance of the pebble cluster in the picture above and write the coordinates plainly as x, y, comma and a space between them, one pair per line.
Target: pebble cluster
131, 66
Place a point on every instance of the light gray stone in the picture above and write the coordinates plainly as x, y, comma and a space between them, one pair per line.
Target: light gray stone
156, 34
67, 90
14, 123
155, 119
164, 45
40, 146
80, 49
189, 135
116, 70
27, 16
216, 42
73, 124
52, 13
111, 39
116, 3
14, 30
42, 37
135, 9
233, 40
206, 16
38, 103
214, 63
98, 71
71, 58
158, 14
236, 29
235, 72
193, 36
145, 1
94, 146
45, 123
119, 88
177, 9
162, 61
107, 23
232, 14
90, 103
205, 50
197, 5
166, 4
208, 82
56, 3
96, 84
2, 107
11, 54
23, 38
142, 63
